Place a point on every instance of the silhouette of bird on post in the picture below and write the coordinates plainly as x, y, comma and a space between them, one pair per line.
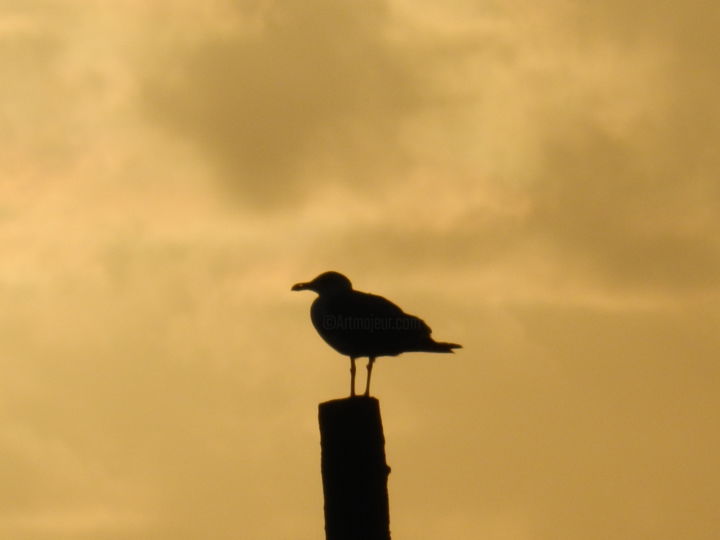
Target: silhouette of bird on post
359, 324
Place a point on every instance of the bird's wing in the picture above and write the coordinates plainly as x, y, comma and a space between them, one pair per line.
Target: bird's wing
376, 307
362, 324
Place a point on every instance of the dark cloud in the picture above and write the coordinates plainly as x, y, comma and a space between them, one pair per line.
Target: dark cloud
628, 213
311, 90
640, 205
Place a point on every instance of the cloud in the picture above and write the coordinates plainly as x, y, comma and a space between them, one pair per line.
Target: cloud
135, 399
308, 92
605, 173
553, 208
634, 200
31, 58
619, 210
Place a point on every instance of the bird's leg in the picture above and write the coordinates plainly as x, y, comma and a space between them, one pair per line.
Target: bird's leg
352, 376
371, 360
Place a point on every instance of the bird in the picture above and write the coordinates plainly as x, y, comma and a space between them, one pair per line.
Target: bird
359, 324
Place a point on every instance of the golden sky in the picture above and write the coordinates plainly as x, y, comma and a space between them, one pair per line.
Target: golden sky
538, 181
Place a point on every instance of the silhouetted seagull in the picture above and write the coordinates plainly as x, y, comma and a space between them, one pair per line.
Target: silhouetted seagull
359, 324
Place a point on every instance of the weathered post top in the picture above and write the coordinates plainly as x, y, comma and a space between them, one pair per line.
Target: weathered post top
354, 470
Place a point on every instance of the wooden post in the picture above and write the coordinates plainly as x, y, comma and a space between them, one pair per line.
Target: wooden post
354, 470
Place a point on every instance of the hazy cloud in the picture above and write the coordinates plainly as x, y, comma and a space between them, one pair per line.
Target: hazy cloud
536, 181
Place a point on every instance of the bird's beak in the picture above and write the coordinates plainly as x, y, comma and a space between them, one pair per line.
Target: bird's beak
300, 286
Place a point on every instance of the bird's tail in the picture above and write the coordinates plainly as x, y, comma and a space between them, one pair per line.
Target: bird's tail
439, 346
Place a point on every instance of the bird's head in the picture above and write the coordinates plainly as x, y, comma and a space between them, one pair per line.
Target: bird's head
326, 283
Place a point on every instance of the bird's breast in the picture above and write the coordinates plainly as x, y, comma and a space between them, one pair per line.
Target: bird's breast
328, 320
